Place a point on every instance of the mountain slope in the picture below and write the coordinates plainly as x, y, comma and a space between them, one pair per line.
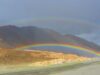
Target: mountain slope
82, 42
12, 36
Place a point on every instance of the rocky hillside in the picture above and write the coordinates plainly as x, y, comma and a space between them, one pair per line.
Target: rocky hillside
14, 57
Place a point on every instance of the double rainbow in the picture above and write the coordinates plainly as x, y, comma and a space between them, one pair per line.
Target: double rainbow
61, 44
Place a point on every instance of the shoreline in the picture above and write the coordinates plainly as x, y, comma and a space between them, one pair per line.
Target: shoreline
93, 69
46, 70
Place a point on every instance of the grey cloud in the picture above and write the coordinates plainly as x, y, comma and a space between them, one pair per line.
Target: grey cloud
17, 9
65, 26
93, 37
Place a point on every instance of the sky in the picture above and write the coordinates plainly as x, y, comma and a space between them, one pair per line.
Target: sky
78, 17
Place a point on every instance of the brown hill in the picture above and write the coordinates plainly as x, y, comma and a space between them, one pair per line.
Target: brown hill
19, 57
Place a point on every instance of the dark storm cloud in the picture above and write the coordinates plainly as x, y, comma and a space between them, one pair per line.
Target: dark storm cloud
65, 26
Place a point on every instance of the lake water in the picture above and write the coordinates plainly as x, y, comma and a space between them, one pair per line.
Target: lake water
64, 50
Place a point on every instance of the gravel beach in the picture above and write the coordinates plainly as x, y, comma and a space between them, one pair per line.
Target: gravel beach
86, 70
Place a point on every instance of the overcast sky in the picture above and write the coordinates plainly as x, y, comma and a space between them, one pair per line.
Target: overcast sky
79, 17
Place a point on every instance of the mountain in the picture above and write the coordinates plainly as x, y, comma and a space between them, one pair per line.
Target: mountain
12, 36
82, 42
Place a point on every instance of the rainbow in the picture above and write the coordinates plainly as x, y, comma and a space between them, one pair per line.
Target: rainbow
63, 45
45, 20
